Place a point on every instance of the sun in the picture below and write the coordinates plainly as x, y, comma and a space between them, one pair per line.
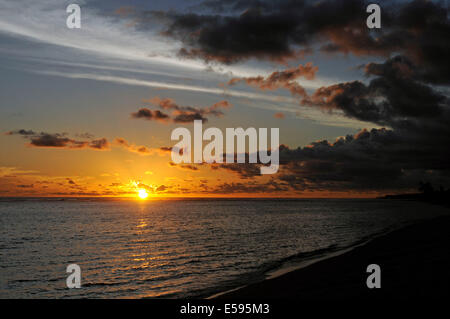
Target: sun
142, 193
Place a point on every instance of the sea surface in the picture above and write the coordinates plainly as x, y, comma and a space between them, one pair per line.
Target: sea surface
177, 248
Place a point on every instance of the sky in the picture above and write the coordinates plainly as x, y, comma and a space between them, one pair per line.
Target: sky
89, 112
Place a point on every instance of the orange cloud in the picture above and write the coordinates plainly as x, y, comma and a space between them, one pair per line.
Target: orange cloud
180, 114
281, 79
141, 149
279, 115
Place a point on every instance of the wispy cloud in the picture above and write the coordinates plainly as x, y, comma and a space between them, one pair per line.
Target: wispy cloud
165, 85
105, 36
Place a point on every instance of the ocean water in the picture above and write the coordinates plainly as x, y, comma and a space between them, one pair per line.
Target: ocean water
177, 248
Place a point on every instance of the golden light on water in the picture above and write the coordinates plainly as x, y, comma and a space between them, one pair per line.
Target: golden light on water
142, 193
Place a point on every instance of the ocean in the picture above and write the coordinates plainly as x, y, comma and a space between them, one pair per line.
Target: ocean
178, 248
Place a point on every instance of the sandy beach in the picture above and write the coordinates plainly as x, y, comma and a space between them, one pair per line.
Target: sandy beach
414, 264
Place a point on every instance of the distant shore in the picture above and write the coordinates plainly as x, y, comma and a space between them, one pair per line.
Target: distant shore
414, 261
441, 197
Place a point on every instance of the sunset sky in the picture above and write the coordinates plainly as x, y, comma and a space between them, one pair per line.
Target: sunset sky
90, 111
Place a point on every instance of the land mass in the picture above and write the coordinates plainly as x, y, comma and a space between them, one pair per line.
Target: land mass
414, 261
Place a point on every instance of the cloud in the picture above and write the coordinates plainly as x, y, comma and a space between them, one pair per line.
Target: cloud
188, 117
180, 114
167, 149
161, 188
62, 141
283, 30
153, 188
169, 86
257, 29
376, 159
247, 188
394, 97
381, 160
416, 29
59, 140
412, 146
55, 140
100, 144
230, 38
400, 96
21, 132
141, 149
279, 115
149, 115
186, 166
244, 170
107, 38
281, 79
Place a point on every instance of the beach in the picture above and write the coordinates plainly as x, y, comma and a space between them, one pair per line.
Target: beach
414, 264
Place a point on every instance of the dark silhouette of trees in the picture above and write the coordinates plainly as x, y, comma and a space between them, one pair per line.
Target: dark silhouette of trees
426, 187
430, 194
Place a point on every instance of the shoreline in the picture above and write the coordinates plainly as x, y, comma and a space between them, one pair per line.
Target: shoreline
284, 269
343, 273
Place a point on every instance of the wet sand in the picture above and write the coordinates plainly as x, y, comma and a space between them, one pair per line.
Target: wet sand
414, 261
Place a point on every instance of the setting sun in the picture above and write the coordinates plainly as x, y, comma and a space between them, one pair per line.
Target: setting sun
142, 193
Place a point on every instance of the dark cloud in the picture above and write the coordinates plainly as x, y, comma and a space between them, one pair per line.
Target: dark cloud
59, 140
395, 97
100, 144
248, 188
244, 170
375, 159
55, 140
189, 117
371, 160
272, 30
412, 147
166, 149
232, 38
149, 115
21, 132
180, 114
286, 29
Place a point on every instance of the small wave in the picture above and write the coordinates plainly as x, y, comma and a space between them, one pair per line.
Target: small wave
101, 284
22, 280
